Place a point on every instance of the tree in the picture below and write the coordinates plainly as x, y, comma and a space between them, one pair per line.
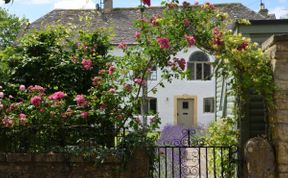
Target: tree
10, 26
7, 1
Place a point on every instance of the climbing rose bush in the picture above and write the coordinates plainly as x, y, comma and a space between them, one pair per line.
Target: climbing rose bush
107, 90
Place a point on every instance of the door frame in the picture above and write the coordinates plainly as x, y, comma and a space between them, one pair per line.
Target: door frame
176, 98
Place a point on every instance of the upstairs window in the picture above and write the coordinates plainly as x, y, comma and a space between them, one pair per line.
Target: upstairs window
199, 67
153, 73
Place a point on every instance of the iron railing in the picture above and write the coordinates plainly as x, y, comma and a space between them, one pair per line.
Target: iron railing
58, 139
188, 157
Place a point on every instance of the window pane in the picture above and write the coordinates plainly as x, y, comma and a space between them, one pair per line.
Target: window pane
209, 105
153, 73
153, 105
191, 75
185, 105
199, 56
199, 71
207, 71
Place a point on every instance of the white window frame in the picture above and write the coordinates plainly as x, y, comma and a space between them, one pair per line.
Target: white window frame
194, 70
149, 104
210, 100
153, 74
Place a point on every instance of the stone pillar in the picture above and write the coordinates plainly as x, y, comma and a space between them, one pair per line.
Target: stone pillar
108, 5
276, 47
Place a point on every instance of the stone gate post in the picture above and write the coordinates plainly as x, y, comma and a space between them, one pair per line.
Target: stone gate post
276, 47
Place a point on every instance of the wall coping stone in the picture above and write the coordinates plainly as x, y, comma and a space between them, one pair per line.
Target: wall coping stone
274, 39
51, 157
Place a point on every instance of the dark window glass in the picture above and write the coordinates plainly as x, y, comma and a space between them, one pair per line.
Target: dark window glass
199, 56
191, 69
209, 105
153, 105
199, 67
185, 105
207, 71
199, 71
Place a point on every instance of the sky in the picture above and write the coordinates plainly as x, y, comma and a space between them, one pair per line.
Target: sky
34, 9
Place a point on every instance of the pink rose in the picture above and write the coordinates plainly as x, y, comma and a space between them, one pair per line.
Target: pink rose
211, 6
111, 70
22, 88
80, 100
127, 87
22, 119
242, 46
57, 95
1, 95
84, 115
139, 81
190, 39
36, 100
7, 122
87, 64
181, 63
96, 80
217, 34
137, 35
102, 71
122, 45
186, 22
154, 20
103, 106
147, 2
36, 88
112, 90
163, 42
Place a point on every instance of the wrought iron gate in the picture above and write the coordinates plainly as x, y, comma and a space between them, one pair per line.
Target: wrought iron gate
188, 157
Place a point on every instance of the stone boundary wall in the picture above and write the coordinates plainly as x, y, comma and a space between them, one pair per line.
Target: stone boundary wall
52, 165
276, 48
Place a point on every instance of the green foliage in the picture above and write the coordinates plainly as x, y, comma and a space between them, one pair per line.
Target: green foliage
48, 57
10, 26
222, 133
94, 90
7, 1
51, 58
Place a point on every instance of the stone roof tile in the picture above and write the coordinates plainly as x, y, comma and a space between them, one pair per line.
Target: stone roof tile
121, 19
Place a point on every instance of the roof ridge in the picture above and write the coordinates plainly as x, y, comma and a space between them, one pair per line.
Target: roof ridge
151, 7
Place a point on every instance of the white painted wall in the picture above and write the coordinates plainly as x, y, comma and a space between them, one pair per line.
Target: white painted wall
165, 96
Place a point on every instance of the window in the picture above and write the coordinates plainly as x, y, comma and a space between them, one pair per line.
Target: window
153, 73
185, 105
152, 105
199, 67
209, 105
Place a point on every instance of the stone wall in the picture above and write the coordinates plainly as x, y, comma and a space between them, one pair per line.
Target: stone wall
24, 165
276, 48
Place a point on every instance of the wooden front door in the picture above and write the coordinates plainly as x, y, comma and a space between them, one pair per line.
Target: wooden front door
185, 113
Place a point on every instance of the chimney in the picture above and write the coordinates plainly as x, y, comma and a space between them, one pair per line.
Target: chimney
108, 5
263, 11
